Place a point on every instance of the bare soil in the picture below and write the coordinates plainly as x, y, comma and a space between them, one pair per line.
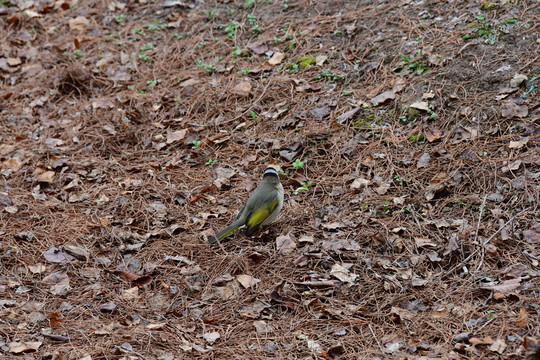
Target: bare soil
406, 133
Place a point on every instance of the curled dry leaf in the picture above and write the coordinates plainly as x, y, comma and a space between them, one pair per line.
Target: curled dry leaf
504, 287
21, 347
247, 281
420, 105
211, 337
12, 164
277, 58
382, 98
176, 136
518, 144
139, 280
46, 177
342, 273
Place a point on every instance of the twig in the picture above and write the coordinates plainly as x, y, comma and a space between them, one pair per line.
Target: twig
478, 229
375, 336
483, 244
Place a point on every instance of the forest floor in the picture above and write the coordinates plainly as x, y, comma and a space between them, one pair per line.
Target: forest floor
406, 134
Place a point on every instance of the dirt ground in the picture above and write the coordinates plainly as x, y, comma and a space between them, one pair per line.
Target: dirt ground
406, 134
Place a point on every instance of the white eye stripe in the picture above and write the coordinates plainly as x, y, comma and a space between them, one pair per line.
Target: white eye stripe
270, 171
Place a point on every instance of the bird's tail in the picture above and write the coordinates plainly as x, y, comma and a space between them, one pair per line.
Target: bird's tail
225, 232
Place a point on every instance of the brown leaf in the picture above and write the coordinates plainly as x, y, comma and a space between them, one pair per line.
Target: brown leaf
258, 47
533, 234
432, 134
510, 109
521, 321
56, 278
176, 136
343, 118
382, 98
12, 164
242, 89
46, 177
285, 244
78, 23
481, 341
247, 281
504, 287
139, 280
55, 318
277, 58
518, 144
20, 347
423, 161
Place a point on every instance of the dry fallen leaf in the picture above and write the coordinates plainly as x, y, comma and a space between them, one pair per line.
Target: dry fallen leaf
46, 177
342, 273
420, 105
498, 346
382, 98
285, 244
504, 287
20, 347
242, 88
258, 47
423, 161
519, 143
176, 136
432, 134
78, 23
277, 58
521, 321
247, 281
12, 164
510, 109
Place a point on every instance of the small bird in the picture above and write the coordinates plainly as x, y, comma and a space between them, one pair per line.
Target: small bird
262, 207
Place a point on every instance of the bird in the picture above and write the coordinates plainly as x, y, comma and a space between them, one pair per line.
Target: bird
262, 207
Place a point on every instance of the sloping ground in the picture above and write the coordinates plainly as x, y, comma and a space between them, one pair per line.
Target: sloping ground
406, 133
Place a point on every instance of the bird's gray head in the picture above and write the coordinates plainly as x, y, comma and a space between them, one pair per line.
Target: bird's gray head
270, 172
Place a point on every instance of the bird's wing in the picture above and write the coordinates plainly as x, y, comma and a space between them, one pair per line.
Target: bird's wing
260, 213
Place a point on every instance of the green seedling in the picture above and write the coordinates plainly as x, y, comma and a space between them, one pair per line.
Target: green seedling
209, 68
253, 116
419, 66
211, 13
386, 210
329, 77
417, 139
231, 29
398, 179
120, 19
490, 314
489, 31
304, 187
196, 144
210, 162
252, 19
151, 84
298, 164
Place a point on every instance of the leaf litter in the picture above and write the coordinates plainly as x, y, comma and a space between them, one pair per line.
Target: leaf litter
115, 161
